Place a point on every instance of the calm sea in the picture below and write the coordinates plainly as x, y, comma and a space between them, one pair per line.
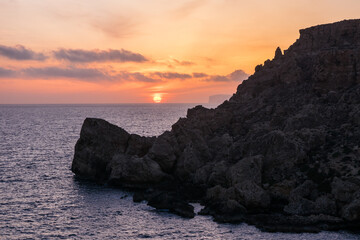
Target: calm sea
41, 199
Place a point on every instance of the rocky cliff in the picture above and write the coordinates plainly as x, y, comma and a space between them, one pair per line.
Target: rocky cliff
283, 153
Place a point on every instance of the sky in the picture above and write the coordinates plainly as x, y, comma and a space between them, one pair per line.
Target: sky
122, 51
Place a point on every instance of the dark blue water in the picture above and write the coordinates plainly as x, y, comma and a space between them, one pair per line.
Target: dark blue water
41, 199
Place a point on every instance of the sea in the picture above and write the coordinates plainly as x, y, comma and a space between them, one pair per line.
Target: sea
40, 198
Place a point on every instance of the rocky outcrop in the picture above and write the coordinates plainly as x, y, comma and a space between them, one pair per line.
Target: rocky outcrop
283, 153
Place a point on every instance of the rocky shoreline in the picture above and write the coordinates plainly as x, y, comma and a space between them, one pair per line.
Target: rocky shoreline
282, 154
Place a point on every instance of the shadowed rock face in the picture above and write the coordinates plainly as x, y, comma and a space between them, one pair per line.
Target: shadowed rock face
283, 153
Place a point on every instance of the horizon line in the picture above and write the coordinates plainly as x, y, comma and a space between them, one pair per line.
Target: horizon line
101, 103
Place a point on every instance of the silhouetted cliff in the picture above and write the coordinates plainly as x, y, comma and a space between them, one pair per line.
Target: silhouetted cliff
283, 153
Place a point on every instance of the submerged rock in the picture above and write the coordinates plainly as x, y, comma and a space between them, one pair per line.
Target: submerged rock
282, 153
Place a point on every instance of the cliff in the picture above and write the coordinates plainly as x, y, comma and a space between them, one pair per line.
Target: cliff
283, 153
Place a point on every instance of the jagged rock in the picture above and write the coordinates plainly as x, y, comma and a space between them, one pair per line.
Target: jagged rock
252, 195
300, 206
325, 205
278, 53
163, 151
283, 153
139, 146
99, 142
305, 190
128, 170
343, 190
351, 212
163, 200
249, 168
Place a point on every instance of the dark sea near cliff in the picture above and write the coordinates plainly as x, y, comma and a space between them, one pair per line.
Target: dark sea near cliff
40, 198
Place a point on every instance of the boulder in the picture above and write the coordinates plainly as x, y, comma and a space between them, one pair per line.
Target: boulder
252, 195
343, 190
351, 211
99, 141
249, 168
132, 171
171, 202
163, 151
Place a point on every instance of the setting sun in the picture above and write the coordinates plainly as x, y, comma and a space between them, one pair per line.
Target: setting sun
157, 98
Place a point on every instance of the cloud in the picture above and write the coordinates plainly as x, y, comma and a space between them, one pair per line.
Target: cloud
236, 76
100, 75
79, 55
171, 75
199, 75
88, 74
4, 73
183, 63
218, 78
80, 74
135, 77
20, 53
116, 26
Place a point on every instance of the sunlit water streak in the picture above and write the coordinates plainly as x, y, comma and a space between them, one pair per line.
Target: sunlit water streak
41, 199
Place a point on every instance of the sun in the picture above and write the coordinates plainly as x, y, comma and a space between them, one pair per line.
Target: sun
157, 98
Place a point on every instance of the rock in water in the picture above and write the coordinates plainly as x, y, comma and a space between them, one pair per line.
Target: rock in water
283, 153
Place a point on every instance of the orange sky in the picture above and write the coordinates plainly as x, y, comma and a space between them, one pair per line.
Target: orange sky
120, 51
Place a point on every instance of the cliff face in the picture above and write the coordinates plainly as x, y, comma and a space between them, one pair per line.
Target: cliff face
283, 153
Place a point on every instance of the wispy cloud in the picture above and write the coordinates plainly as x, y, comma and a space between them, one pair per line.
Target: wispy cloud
135, 77
96, 74
88, 74
116, 26
199, 75
183, 63
82, 56
171, 75
77, 74
5, 73
20, 53
218, 78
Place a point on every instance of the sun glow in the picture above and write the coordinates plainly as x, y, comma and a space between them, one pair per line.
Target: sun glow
157, 98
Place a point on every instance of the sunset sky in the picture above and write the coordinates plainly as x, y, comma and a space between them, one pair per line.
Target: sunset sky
122, 51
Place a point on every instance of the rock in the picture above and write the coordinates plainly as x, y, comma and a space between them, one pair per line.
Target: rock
217, 175
343, 190
305, 190
163, 151
278, 53
282, 153
216, 194
325, 205
351, 212
139, 146
169, 201
280, 192
132, 171
304, 201
99, 141
233, 207
249, 168
139, 196
251, 195
300, 206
